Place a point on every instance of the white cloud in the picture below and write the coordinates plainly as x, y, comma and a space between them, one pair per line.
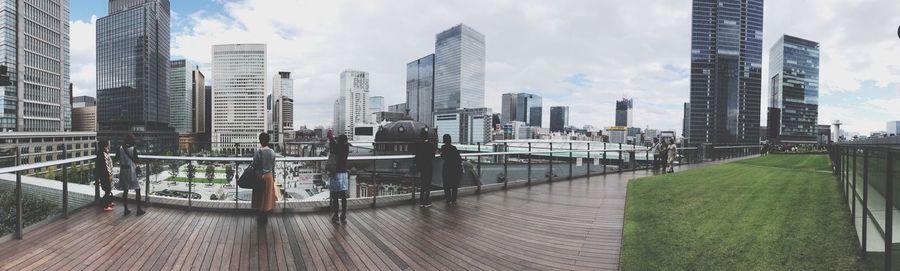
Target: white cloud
83, 56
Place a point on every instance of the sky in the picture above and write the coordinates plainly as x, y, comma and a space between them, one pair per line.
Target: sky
581, 53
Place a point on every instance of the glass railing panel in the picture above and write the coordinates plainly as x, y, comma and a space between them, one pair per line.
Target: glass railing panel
80, 178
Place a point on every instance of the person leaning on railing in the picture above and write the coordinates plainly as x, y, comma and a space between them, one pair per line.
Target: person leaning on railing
424, 151
128, 180
264, 163
339, 185
103, 171
452, 169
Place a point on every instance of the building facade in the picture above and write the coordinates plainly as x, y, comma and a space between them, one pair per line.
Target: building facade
82, 101
399, 108
686, 123
459, 57
132, 74
181, 96
352, 105
84, 119
376, 104
198, 109
521, 107
420, 89
465, 126
726, 71
282, 106
35, 54
893, 127
793, 91
36, 147
625, 112
559, 118
238, 97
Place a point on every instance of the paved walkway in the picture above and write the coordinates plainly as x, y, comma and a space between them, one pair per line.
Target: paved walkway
567, 225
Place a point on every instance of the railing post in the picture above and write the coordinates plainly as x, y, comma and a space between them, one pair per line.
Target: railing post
65, 184
865, 197
588, 160
604, 159
550, 180
478, 167
237, 175
530, 156
647, 158
18, 233
621, 159
889, 211
374, 181
570, 160
853, 188
190, 187
505, 165
147, 181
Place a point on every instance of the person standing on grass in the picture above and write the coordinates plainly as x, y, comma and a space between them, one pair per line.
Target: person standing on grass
340, 184
264, 194
128, 180
656, 153
103, 171
424, 151
452, 169
672, 151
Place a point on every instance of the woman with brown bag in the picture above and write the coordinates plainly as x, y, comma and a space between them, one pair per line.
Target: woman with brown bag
264, 194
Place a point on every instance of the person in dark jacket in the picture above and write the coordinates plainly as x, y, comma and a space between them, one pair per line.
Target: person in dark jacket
340, 184
424, 151
103, 171
452, 169
128, 168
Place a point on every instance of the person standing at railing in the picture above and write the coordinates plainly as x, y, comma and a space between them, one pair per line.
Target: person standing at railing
452, 169
424, 151
672, 152
264, 196
340, 183
657, 155
103, 171
128, 180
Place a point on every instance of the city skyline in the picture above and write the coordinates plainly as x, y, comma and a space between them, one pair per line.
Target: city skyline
569, 75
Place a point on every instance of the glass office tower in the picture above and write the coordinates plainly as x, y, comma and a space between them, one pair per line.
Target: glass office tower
132, 74
559, 118
420, 89
181, 96
459, 69
726, 70
793, 90
624, 112
521, 107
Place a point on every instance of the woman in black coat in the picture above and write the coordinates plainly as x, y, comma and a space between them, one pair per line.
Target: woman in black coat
452, 169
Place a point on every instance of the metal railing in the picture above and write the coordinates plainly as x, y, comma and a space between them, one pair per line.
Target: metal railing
868, 174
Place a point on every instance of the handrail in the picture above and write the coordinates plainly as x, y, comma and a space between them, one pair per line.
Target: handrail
14, 169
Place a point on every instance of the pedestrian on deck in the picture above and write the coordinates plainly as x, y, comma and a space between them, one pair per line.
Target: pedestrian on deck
452, 169
424, 151
657, 156
264, 194
103, 171
672, 151
128, 171
340, 183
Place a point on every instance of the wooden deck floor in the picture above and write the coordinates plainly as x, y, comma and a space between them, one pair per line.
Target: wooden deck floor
567, 225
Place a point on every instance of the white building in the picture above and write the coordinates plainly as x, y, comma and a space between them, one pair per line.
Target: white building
282, 116
893, 127
351, 107
465, 126
238, 96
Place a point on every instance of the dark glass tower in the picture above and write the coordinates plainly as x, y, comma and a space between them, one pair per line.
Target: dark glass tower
559, 118
793, 90
624, 112
459, 59
132, 74
726, 70
522, 107
420, 89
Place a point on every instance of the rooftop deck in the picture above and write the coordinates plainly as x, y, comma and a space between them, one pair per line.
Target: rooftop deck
566, 225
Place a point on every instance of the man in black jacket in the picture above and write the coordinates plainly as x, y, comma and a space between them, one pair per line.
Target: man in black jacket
424, 151
452, 169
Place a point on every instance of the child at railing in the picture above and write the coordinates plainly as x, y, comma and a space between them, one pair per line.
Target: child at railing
103, 171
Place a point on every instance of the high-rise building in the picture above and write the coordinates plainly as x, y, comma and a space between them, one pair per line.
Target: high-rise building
893, 127
559, 118
132, 74
793, 91
198, 83
82, 101
465, 126
726, 69
624, 112
400, 108
521, 107
352, 104
181, 95
459, 69
281, 105
420, 89
376, 104
37, 63
206, 135
84, 119
238, 97
686, 123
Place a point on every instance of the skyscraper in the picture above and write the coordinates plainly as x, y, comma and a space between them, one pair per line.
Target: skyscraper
420, 89
132, 74
624, 112
282, 105
793, 91
686, 123
198, 83
522, 107
459, 57
726, 69
39, 99
352, 104
181, 96
559, 118
239, 80
376, 104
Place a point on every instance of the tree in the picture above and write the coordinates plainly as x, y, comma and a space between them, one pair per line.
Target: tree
229, 173
173, 170
51, 173
210, 173
191, 171
73, 174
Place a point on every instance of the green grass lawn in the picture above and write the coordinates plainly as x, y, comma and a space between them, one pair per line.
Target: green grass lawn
768, 213
197, 180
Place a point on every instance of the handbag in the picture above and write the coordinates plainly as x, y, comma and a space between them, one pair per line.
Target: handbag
331, 164
250, 179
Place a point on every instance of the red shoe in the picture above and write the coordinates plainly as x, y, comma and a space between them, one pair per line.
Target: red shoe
112, 204
108, 209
